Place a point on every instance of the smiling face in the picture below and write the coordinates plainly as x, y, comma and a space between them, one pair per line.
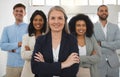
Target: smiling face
19, 13
102, 13
80, 27
38, 22
56, 21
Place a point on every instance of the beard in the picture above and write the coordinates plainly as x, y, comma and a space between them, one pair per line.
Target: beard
103, 18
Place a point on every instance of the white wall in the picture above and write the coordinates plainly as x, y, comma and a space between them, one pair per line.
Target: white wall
73, 10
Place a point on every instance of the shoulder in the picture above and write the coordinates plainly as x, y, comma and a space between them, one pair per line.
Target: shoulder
112, 25
42, 38
24, 24
96, 23
70, 37
9, 27
26, 35
92, 39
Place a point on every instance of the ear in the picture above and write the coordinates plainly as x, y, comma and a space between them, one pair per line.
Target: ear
13, 12
24, 13
97, 13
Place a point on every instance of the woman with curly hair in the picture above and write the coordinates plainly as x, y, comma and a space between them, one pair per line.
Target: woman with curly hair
82, 28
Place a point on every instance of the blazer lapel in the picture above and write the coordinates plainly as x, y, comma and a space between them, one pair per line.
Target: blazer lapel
88, 45
101, 31
63, 46
49, 47
108, 32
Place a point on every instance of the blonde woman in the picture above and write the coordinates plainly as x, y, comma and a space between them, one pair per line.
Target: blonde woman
56, 53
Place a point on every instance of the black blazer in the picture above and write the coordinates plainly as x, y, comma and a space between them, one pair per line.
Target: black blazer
49, 68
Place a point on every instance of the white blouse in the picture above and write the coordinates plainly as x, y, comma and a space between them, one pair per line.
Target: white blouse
82, 50
56, 55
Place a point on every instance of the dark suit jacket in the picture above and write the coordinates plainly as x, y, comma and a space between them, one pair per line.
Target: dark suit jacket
50, 68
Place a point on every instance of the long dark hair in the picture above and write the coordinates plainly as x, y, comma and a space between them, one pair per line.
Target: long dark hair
31, 29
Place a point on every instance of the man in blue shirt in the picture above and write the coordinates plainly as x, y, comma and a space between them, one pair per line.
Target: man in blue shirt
11, 41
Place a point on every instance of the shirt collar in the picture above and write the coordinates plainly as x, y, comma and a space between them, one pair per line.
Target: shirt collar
19, 24
102, 25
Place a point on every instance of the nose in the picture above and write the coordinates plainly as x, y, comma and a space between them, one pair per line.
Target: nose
55, 20
18, 12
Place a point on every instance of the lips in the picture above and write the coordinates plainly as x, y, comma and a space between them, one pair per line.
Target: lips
80, 31
56, 26
38, 26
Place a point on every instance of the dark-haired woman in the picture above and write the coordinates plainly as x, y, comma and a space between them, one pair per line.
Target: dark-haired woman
37, 27
82, 28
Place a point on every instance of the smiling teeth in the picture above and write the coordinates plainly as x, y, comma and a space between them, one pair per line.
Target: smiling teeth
80, 31
38, 25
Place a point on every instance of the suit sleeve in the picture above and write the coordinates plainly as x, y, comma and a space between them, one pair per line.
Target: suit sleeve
115, 44
92, 59
72, 71
44, 68
26, 55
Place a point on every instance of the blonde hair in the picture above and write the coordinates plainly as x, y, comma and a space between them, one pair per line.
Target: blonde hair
58, 8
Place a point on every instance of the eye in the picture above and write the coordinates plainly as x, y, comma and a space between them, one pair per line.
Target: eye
40, 20
78, 25
35, 19
16, 11
101, 11
21, 11
106, 10
52, 18
60, 18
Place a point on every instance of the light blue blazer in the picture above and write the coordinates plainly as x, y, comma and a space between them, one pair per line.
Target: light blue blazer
109, 44
91, 61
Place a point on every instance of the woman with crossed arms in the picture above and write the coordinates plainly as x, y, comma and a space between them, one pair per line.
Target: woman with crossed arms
56, 53
82, 28
37, 27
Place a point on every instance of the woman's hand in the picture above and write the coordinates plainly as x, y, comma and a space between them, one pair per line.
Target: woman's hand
27, 48
39, 57
72, 59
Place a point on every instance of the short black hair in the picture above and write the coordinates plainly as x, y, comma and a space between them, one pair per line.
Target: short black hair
31, 29
19, 5
100, 7
89, 24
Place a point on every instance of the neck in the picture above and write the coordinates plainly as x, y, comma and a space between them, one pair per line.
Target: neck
56, 38
80, 37
18, 22
81, 40
37, 33
103, 22
56, 35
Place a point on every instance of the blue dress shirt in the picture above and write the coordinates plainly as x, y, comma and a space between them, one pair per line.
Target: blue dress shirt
9, 41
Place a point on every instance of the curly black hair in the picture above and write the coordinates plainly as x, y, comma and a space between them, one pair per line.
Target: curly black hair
89, 24
31, 29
